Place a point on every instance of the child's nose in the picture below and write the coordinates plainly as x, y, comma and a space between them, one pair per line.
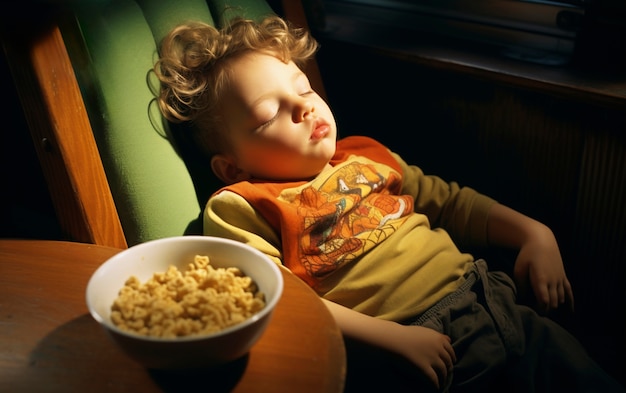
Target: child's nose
302, 109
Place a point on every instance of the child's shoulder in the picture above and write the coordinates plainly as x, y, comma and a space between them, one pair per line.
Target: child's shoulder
365, 146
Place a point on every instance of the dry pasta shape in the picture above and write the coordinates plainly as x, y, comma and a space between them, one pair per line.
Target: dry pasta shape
199, 300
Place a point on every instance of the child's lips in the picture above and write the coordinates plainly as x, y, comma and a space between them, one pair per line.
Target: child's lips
320, 130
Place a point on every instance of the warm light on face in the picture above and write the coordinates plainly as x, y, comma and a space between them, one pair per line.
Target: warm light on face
280, 129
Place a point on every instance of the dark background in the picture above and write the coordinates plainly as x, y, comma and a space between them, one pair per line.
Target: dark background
559, 157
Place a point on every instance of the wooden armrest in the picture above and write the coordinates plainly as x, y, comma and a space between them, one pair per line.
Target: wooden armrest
62, 134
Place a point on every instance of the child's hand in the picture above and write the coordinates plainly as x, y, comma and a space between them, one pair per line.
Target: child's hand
539, 264
427, 349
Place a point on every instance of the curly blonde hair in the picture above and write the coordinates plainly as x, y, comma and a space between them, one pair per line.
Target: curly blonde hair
193, 68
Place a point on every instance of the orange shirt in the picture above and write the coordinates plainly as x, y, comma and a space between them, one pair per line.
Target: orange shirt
359, 233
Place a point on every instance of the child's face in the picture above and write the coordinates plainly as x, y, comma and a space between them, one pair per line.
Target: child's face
280, 129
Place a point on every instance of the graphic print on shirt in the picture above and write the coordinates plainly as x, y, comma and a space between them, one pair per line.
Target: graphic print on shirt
350, 213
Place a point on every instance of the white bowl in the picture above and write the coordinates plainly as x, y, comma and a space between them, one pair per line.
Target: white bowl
144, 259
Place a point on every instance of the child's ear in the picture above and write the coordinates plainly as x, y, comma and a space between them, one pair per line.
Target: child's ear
226, 169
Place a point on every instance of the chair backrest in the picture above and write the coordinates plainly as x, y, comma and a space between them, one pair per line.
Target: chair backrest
115, 169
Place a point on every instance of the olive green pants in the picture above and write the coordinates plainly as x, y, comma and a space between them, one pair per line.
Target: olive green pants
506, 347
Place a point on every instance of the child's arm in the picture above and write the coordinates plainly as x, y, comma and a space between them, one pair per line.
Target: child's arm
539, 260
426, 348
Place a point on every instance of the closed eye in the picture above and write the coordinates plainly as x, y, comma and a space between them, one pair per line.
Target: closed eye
267, 123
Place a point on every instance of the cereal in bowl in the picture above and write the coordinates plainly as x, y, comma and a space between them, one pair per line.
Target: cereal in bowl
200, 300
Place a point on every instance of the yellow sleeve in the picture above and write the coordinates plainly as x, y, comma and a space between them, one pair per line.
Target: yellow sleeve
228, 215
461, 211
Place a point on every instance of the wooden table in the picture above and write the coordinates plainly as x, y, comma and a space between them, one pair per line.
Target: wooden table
50, 343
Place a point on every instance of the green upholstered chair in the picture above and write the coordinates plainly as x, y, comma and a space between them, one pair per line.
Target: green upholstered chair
117, 173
